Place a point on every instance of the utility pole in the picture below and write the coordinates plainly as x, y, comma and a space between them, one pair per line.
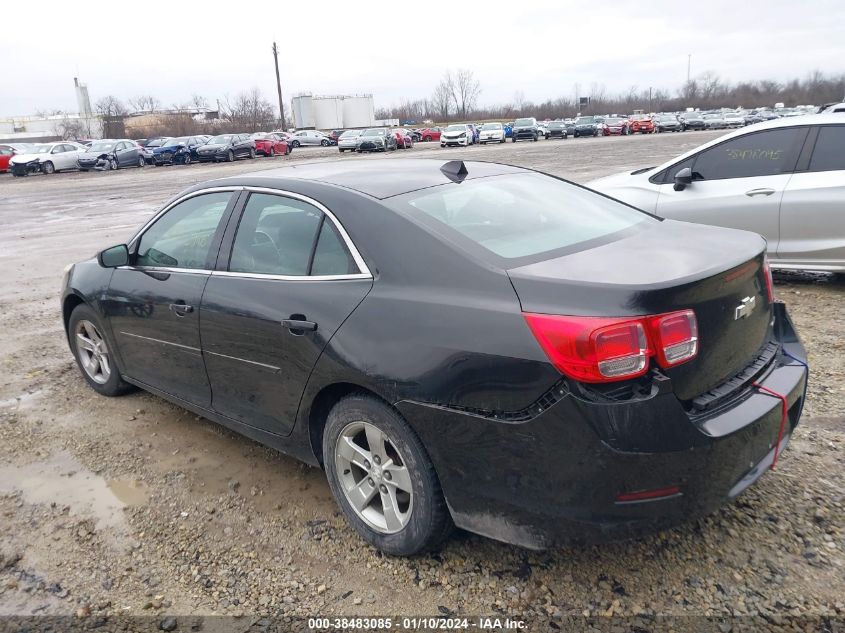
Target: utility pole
279, 85
689, 62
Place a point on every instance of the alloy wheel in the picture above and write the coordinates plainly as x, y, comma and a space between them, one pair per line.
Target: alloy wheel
92, 352
374, 477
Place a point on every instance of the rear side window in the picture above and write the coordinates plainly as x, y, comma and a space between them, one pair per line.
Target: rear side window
766, 153
331, 256
829, 152
522, 215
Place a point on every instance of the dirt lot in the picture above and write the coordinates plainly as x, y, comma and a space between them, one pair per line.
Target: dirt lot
135, 506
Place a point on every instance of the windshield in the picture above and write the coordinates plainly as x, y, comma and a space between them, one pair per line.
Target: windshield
176, 141
38, 149
692, 115
585, 119
223, 139
456, 128
102, 147
712, 116
520, 122
491, 126
519, 215
350, 134
373, 131
554, 125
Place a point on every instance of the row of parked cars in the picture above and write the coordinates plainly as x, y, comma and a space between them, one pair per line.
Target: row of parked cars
22, 159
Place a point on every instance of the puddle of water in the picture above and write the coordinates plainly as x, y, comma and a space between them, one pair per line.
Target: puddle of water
62, 480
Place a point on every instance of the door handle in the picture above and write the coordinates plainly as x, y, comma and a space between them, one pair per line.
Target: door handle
298, 325
765, 191
181, 309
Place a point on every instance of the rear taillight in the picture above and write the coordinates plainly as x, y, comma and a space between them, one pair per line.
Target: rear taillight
767, 271
675, 337
599, 349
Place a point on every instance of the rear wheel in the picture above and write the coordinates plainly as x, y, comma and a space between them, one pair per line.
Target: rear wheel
382, 478
92, 353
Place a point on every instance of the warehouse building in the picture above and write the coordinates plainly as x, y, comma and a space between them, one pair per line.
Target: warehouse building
332, 112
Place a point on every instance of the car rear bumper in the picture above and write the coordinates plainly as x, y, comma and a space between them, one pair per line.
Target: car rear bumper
556, 477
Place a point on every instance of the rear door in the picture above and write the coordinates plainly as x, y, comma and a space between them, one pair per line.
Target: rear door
286, 278
153, 304
737, 184
812, 215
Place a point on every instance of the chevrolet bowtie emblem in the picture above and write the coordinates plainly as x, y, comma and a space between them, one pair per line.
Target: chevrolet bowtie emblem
745, 308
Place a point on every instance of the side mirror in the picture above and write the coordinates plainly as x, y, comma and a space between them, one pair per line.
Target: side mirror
114, 256
682, 179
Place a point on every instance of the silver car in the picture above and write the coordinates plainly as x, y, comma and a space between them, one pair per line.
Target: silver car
348, 140
783, 179
310, 137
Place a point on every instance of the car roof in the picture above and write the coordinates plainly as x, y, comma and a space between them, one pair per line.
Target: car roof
379, 179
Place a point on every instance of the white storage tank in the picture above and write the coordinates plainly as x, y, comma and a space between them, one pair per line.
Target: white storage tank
358, 111
303, 112
328, 112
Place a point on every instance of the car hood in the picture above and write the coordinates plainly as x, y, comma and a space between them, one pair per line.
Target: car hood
585, 124
211, 147
169, 148
372, 139
91, 155
454, 133
620, 179
25, 158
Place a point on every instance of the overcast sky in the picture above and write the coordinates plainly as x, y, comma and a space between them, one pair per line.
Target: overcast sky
542, 48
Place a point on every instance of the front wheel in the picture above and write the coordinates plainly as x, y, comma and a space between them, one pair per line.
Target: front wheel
295, 144
324, 143
187, 159
230, 157
381, 476
427, 139
252, 152
142, 162
92, 353
272, 152
113, 164
48, 168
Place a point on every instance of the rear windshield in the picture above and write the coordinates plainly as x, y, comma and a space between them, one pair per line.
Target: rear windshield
520, 215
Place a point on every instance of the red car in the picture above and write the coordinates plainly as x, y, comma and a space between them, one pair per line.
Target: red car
6, 153
641, 123
615, 125
270, 144
430, 134
404, 140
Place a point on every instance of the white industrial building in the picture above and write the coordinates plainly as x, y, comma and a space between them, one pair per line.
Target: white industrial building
332, 112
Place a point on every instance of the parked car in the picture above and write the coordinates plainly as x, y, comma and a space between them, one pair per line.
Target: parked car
542, 129
734, 120
508, 130
525, 129
335, 135
376, 139
403, 138
155, 141
46, 158
586, 126
178, 150
615, 125
491, 133
226, 147
6, 153
415, 136
515, 354
751, 118
714, 121
692, 121
430, 134
668, 123
760, 180
831, 108
270, 143
640, 123
151, 145
557, 129
456, 134
310, 137
348, 141
111, 154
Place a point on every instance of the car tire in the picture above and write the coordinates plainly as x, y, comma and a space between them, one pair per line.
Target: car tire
48, 168
272, 153
141, 162
252, 152
427, 139
420, 519
187, 159
80, 169
114, 164
595, 133
230, 157
324, 143
105, 378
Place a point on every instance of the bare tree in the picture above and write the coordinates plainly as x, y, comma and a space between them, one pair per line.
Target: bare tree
442, 97
466, 91
145, 103
250, 111
110, 106
198, 102
73, 129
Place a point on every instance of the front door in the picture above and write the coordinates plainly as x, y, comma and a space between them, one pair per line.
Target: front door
737, 184
279, 295
153, 304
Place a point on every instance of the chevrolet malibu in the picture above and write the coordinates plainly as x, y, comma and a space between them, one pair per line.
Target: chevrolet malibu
455, 344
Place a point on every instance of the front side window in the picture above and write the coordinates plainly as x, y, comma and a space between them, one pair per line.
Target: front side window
765, 153
182, 237
829, 152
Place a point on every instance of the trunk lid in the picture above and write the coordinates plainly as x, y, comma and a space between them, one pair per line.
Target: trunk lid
716, 272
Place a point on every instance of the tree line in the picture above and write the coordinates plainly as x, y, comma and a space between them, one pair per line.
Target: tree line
455, 98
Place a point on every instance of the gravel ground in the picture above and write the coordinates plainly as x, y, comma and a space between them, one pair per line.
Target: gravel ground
133, 506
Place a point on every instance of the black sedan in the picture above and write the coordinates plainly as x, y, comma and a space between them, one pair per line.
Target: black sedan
111, 154
455, 343
226, 147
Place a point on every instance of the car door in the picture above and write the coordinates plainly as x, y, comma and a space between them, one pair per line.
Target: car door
736, 184
59, 157
285, 281
153, 304
125, 156
812, 216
